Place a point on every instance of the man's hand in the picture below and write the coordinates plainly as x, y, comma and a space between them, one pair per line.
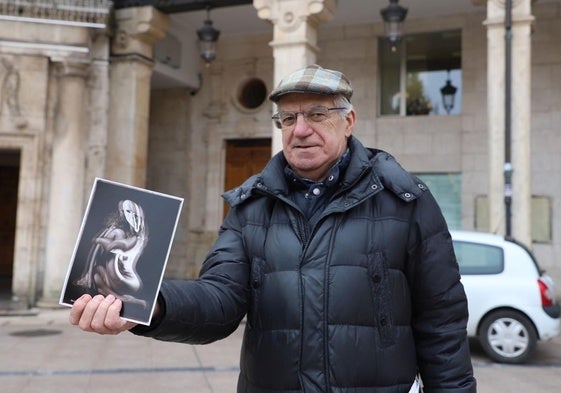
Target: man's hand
99, 314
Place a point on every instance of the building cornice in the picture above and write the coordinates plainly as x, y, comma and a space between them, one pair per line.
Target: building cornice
82, 13
173, 6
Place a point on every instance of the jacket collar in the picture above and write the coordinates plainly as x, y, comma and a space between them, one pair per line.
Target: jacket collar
369, 171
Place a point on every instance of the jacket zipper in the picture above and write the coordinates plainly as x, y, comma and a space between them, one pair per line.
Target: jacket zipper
305, 233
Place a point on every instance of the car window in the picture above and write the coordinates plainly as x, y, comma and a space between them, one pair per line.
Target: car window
475, 258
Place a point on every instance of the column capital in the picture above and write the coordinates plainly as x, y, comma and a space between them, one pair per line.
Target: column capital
288, 15
137, 30
521, 12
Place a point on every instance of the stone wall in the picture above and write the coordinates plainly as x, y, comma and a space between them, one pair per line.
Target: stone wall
44, 72
170, 166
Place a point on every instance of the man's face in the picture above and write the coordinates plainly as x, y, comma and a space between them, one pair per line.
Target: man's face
310, 148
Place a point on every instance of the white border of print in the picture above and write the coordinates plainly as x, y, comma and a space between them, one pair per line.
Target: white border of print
162, 213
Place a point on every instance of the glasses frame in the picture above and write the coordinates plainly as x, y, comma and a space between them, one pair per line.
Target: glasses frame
306, 114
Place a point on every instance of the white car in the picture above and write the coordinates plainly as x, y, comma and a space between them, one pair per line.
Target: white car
511, 301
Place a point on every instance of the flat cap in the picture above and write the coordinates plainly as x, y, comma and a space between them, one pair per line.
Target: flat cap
315, 80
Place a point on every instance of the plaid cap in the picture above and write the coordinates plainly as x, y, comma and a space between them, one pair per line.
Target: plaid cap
313, 79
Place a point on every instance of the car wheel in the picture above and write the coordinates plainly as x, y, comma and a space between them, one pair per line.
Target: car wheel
507, 336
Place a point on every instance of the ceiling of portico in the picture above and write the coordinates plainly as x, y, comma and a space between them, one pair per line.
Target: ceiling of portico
243, 19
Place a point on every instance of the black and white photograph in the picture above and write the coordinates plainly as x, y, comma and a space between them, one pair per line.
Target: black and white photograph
123, 247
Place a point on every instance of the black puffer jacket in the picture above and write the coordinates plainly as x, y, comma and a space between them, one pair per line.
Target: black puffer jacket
359, 303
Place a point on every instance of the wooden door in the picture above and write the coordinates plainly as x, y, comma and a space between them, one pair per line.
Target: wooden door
9, 179
244, 157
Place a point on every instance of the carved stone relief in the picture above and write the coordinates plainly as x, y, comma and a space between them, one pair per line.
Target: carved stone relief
9, 93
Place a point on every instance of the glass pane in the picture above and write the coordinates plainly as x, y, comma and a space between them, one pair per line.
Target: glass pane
447, 190
390, 60
433, 59
424, 96
476, 258
430, 62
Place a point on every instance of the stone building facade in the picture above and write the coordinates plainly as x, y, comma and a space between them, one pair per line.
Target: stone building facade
79, 101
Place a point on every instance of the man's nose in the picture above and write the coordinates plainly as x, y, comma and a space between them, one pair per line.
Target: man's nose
301, 127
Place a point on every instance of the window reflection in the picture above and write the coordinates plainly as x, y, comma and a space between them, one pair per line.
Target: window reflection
414, 72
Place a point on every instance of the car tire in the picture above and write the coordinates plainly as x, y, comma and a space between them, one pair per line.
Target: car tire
508, 336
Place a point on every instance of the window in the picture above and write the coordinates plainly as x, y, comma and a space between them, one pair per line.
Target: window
447, 190
252, 93
474, 258
414, 72
541, 213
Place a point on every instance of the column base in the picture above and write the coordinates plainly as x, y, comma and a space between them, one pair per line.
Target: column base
49, 302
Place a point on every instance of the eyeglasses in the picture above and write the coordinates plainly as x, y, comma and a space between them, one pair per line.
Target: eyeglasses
317, 114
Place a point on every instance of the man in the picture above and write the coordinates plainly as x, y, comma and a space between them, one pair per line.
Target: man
340, 259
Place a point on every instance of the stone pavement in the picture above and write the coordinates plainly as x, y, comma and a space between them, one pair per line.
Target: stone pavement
40, 352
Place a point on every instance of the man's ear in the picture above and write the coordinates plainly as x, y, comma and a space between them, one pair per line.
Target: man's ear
350, 119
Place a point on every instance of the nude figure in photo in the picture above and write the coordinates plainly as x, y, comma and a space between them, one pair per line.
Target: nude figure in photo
112, 260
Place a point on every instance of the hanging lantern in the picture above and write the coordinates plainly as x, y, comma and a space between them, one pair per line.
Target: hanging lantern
208, 36
448, 92
393, 16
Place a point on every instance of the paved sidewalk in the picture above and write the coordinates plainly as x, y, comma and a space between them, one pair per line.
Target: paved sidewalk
42, 353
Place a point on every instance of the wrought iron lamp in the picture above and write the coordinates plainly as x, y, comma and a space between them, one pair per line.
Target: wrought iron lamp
448, 92
208, 36
393, 16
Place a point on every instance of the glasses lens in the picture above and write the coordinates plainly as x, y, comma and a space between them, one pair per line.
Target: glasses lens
317, 114
276, 121
288, 118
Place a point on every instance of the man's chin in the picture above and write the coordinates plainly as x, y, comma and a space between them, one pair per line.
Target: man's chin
305, 171
306, 156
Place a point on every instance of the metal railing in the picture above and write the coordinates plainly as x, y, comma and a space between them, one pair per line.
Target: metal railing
88, 13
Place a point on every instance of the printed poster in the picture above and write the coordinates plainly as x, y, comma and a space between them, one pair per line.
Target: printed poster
123, 247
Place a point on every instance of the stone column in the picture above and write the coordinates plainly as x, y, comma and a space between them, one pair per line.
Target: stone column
520, 121
98, 90
496, 114
294, 36
66, 207
138, 29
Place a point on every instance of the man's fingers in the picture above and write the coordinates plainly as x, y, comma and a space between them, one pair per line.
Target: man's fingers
99, 314
98, 320
113, 320
78, 308
85, 322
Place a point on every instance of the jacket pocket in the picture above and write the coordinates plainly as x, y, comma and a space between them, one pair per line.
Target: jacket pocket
256, 281
382, 297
